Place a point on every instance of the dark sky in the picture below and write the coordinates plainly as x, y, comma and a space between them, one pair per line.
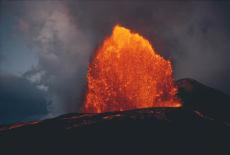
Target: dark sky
45, 47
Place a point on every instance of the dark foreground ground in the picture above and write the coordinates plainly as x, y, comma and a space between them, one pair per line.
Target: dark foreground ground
193, 129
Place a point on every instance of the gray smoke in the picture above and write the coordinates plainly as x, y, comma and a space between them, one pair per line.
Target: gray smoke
63, 55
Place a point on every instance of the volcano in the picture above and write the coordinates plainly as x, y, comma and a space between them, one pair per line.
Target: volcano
132, 106
199, 127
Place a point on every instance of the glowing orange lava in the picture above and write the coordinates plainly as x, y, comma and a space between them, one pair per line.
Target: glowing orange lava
126, 73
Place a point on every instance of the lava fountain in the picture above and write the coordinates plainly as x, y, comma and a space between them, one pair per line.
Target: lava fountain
127, 73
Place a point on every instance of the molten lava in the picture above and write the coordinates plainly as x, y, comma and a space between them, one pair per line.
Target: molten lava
126, 73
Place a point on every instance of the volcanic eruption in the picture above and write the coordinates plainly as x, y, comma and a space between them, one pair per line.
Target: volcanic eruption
127, 73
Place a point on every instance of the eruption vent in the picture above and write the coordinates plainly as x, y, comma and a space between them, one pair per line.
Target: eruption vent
126, 73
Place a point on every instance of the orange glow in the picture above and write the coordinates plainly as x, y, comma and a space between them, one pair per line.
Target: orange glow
127, 73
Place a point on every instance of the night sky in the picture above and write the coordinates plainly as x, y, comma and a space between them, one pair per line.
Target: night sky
45, 47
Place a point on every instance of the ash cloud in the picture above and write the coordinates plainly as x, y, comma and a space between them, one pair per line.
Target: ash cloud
194, 35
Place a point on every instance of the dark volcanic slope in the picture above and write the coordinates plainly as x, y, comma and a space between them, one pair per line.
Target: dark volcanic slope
208, 100
145, 130
200, 127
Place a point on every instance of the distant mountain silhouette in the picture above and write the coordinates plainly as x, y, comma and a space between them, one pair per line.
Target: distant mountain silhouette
196, 128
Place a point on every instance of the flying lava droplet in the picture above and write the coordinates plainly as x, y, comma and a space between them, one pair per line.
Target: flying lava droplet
127, 73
